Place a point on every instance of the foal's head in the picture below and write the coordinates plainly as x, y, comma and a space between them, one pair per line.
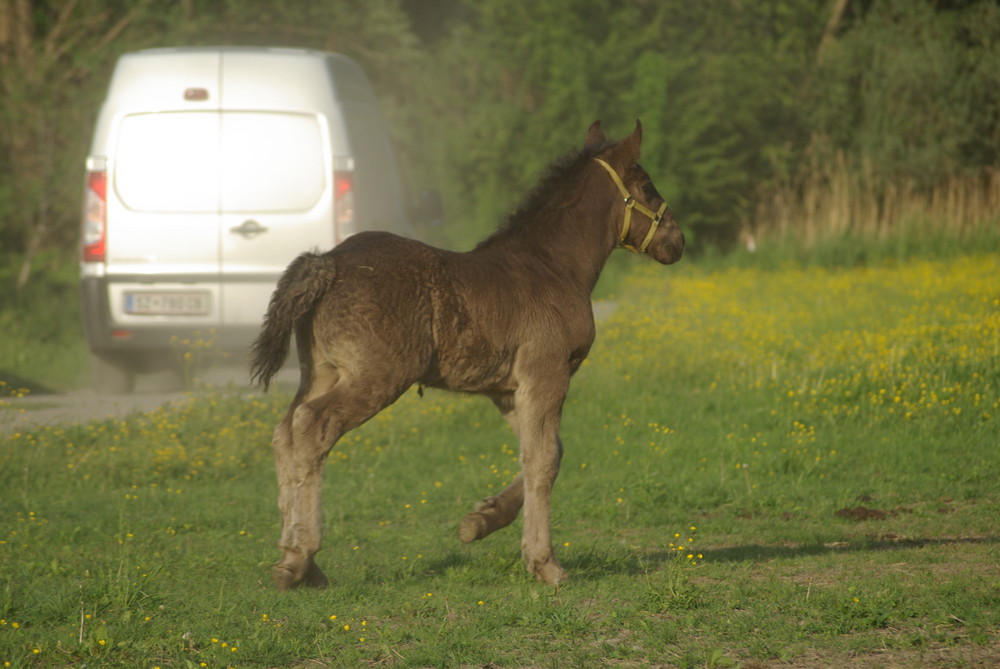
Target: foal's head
647, 224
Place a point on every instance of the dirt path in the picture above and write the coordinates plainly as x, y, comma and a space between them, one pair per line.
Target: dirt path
80, 406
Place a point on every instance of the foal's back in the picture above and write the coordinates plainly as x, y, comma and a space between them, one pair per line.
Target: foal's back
458, 321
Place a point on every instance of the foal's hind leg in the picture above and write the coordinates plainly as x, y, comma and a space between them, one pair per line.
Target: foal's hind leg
298, 464
498, 511
301, 445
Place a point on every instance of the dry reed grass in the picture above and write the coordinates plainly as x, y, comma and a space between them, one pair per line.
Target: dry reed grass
830, 200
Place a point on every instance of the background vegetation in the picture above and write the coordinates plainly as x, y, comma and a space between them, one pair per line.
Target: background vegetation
753, 109
791, 468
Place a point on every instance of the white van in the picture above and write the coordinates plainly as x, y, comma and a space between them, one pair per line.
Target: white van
210, 170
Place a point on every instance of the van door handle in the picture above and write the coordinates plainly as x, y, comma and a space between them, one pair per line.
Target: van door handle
249, 229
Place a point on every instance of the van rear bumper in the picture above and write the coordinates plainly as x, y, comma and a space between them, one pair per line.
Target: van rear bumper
108, 339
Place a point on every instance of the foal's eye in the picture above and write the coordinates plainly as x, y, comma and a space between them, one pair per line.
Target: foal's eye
648, 190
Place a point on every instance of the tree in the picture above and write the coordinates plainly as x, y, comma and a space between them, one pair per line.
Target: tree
911, 87
49, 52
717, 85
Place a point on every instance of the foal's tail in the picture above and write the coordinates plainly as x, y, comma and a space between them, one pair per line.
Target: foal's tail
299, 289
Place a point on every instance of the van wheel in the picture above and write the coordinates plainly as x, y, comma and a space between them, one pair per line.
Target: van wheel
111, 377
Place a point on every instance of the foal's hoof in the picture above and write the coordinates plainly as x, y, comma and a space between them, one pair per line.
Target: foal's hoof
283, 577
473, 527
550, 572
286, 578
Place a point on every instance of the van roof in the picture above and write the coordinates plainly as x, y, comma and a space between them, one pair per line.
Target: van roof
234, 77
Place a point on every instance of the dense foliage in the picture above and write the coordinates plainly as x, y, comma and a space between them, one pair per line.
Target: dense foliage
740, 99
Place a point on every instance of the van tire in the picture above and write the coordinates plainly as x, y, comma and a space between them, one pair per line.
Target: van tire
111, 377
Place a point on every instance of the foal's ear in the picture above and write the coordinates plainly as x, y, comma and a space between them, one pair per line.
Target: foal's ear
631, 143
626, 152
595, 136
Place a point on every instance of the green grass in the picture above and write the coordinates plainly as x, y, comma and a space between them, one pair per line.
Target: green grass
42, 347
761, 408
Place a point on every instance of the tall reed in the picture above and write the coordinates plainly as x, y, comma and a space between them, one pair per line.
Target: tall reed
832, 199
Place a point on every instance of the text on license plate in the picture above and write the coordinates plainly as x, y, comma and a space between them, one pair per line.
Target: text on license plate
186, 303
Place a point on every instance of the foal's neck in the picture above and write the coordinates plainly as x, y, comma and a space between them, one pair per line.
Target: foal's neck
571, 240
575, 236
564, 224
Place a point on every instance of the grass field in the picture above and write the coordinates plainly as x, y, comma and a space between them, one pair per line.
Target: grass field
786, 468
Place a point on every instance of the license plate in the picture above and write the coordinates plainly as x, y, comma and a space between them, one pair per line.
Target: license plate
172, 303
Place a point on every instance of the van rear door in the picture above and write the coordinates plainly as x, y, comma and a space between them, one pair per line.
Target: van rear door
165, 185
277, 175
163, 161
275, 203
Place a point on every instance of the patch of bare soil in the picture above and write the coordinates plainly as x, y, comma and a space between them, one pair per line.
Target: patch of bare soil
861, 513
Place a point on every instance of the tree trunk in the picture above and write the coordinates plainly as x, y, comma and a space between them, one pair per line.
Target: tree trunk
839, 7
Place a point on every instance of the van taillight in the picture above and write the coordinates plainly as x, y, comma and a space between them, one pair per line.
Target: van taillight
343, 205
95, 211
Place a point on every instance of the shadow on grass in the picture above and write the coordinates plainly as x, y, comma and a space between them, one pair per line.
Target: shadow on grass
598, 562
594, 564
759, 553
15, 382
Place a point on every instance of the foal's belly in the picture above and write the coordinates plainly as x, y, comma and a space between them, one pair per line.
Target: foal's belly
471, 369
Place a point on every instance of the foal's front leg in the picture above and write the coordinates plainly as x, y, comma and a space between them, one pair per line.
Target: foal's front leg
493, 513
541, 454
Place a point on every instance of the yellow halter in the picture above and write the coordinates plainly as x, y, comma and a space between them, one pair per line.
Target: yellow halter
630, 204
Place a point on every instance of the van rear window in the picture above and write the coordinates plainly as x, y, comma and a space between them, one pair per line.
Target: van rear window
272, 162
220, 162
168, 162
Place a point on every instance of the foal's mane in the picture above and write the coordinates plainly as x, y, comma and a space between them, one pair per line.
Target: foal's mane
561, 176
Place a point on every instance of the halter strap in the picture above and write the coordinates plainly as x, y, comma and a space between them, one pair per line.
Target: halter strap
630, 204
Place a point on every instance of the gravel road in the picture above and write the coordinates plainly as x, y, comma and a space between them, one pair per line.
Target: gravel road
80, 406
